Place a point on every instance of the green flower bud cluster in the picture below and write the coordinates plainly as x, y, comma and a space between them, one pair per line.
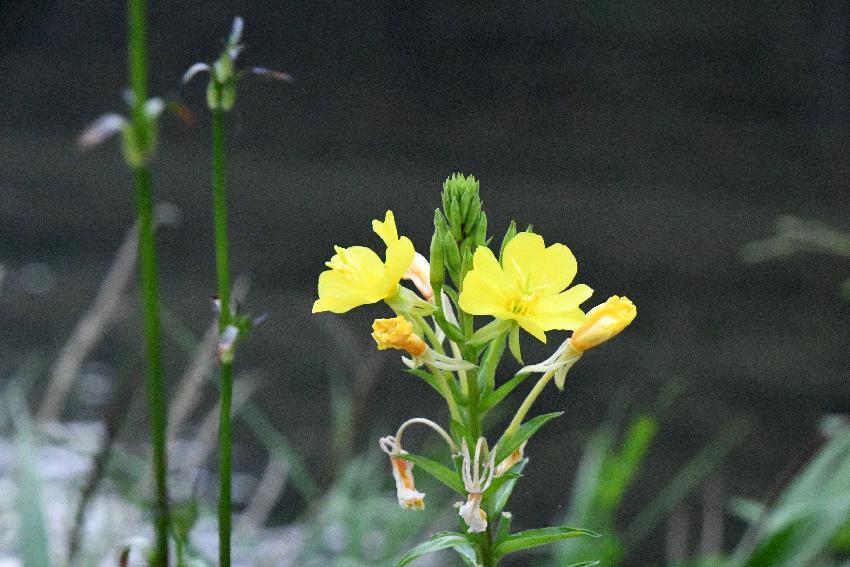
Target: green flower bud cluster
459, 228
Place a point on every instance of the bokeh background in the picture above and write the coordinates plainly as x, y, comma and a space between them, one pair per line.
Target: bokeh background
656, 139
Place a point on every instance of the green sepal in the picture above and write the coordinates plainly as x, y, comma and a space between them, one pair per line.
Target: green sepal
495, 397
509, 235
489, 332
523, 434
513, 340
538, 537
437, 542
440, 472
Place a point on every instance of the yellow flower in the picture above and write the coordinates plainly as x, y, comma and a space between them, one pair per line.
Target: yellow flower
528, 287
398, 333
357, 276
603, 322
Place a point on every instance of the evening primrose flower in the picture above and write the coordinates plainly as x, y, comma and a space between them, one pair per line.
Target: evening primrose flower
408, 496
528, 287
604, 322
357, 276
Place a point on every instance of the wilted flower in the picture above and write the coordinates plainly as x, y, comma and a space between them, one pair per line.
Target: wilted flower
477, 476
510, 460
398, 333
408, 496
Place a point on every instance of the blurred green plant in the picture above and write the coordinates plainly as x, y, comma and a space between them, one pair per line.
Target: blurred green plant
611, 463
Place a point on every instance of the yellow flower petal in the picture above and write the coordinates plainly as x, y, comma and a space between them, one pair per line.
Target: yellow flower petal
527, 287
357, 276
386, 230
529, 263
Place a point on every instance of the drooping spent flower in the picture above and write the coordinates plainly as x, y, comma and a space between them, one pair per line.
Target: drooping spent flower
604, 322
357, 276
408, 496
510, 460
477, 472
419, 273
528, 287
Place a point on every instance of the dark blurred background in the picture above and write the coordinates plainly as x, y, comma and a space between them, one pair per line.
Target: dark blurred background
654, 138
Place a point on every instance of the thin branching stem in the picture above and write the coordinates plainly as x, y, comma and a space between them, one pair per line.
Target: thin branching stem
225, 463
137, 63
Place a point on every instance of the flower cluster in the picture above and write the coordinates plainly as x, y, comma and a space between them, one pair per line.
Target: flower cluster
524, 285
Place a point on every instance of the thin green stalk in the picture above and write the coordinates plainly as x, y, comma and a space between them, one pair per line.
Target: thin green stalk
137, 63
527, 403
225, 458
156, 384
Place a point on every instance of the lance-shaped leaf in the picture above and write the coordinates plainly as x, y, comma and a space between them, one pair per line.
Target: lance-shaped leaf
438, 542
523, 434
438, 471
538, 537
503, 492
499, 394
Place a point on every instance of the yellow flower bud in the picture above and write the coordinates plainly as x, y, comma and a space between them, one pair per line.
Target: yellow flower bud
603, 322
398, 333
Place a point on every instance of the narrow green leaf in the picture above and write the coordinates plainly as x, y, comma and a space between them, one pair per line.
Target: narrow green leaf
523, 434
585, 564
503, 492
442, 473
495, 397
538, 537
438, 542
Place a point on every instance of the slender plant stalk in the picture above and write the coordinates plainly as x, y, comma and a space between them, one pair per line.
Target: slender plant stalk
137, 62
225, 458
527, 403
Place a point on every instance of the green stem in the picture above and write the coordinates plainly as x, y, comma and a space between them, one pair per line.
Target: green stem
527, 403
447, 393
156, 384
138, 71
225, 457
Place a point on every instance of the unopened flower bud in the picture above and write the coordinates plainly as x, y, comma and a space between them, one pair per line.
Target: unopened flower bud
603, 322
398, 333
